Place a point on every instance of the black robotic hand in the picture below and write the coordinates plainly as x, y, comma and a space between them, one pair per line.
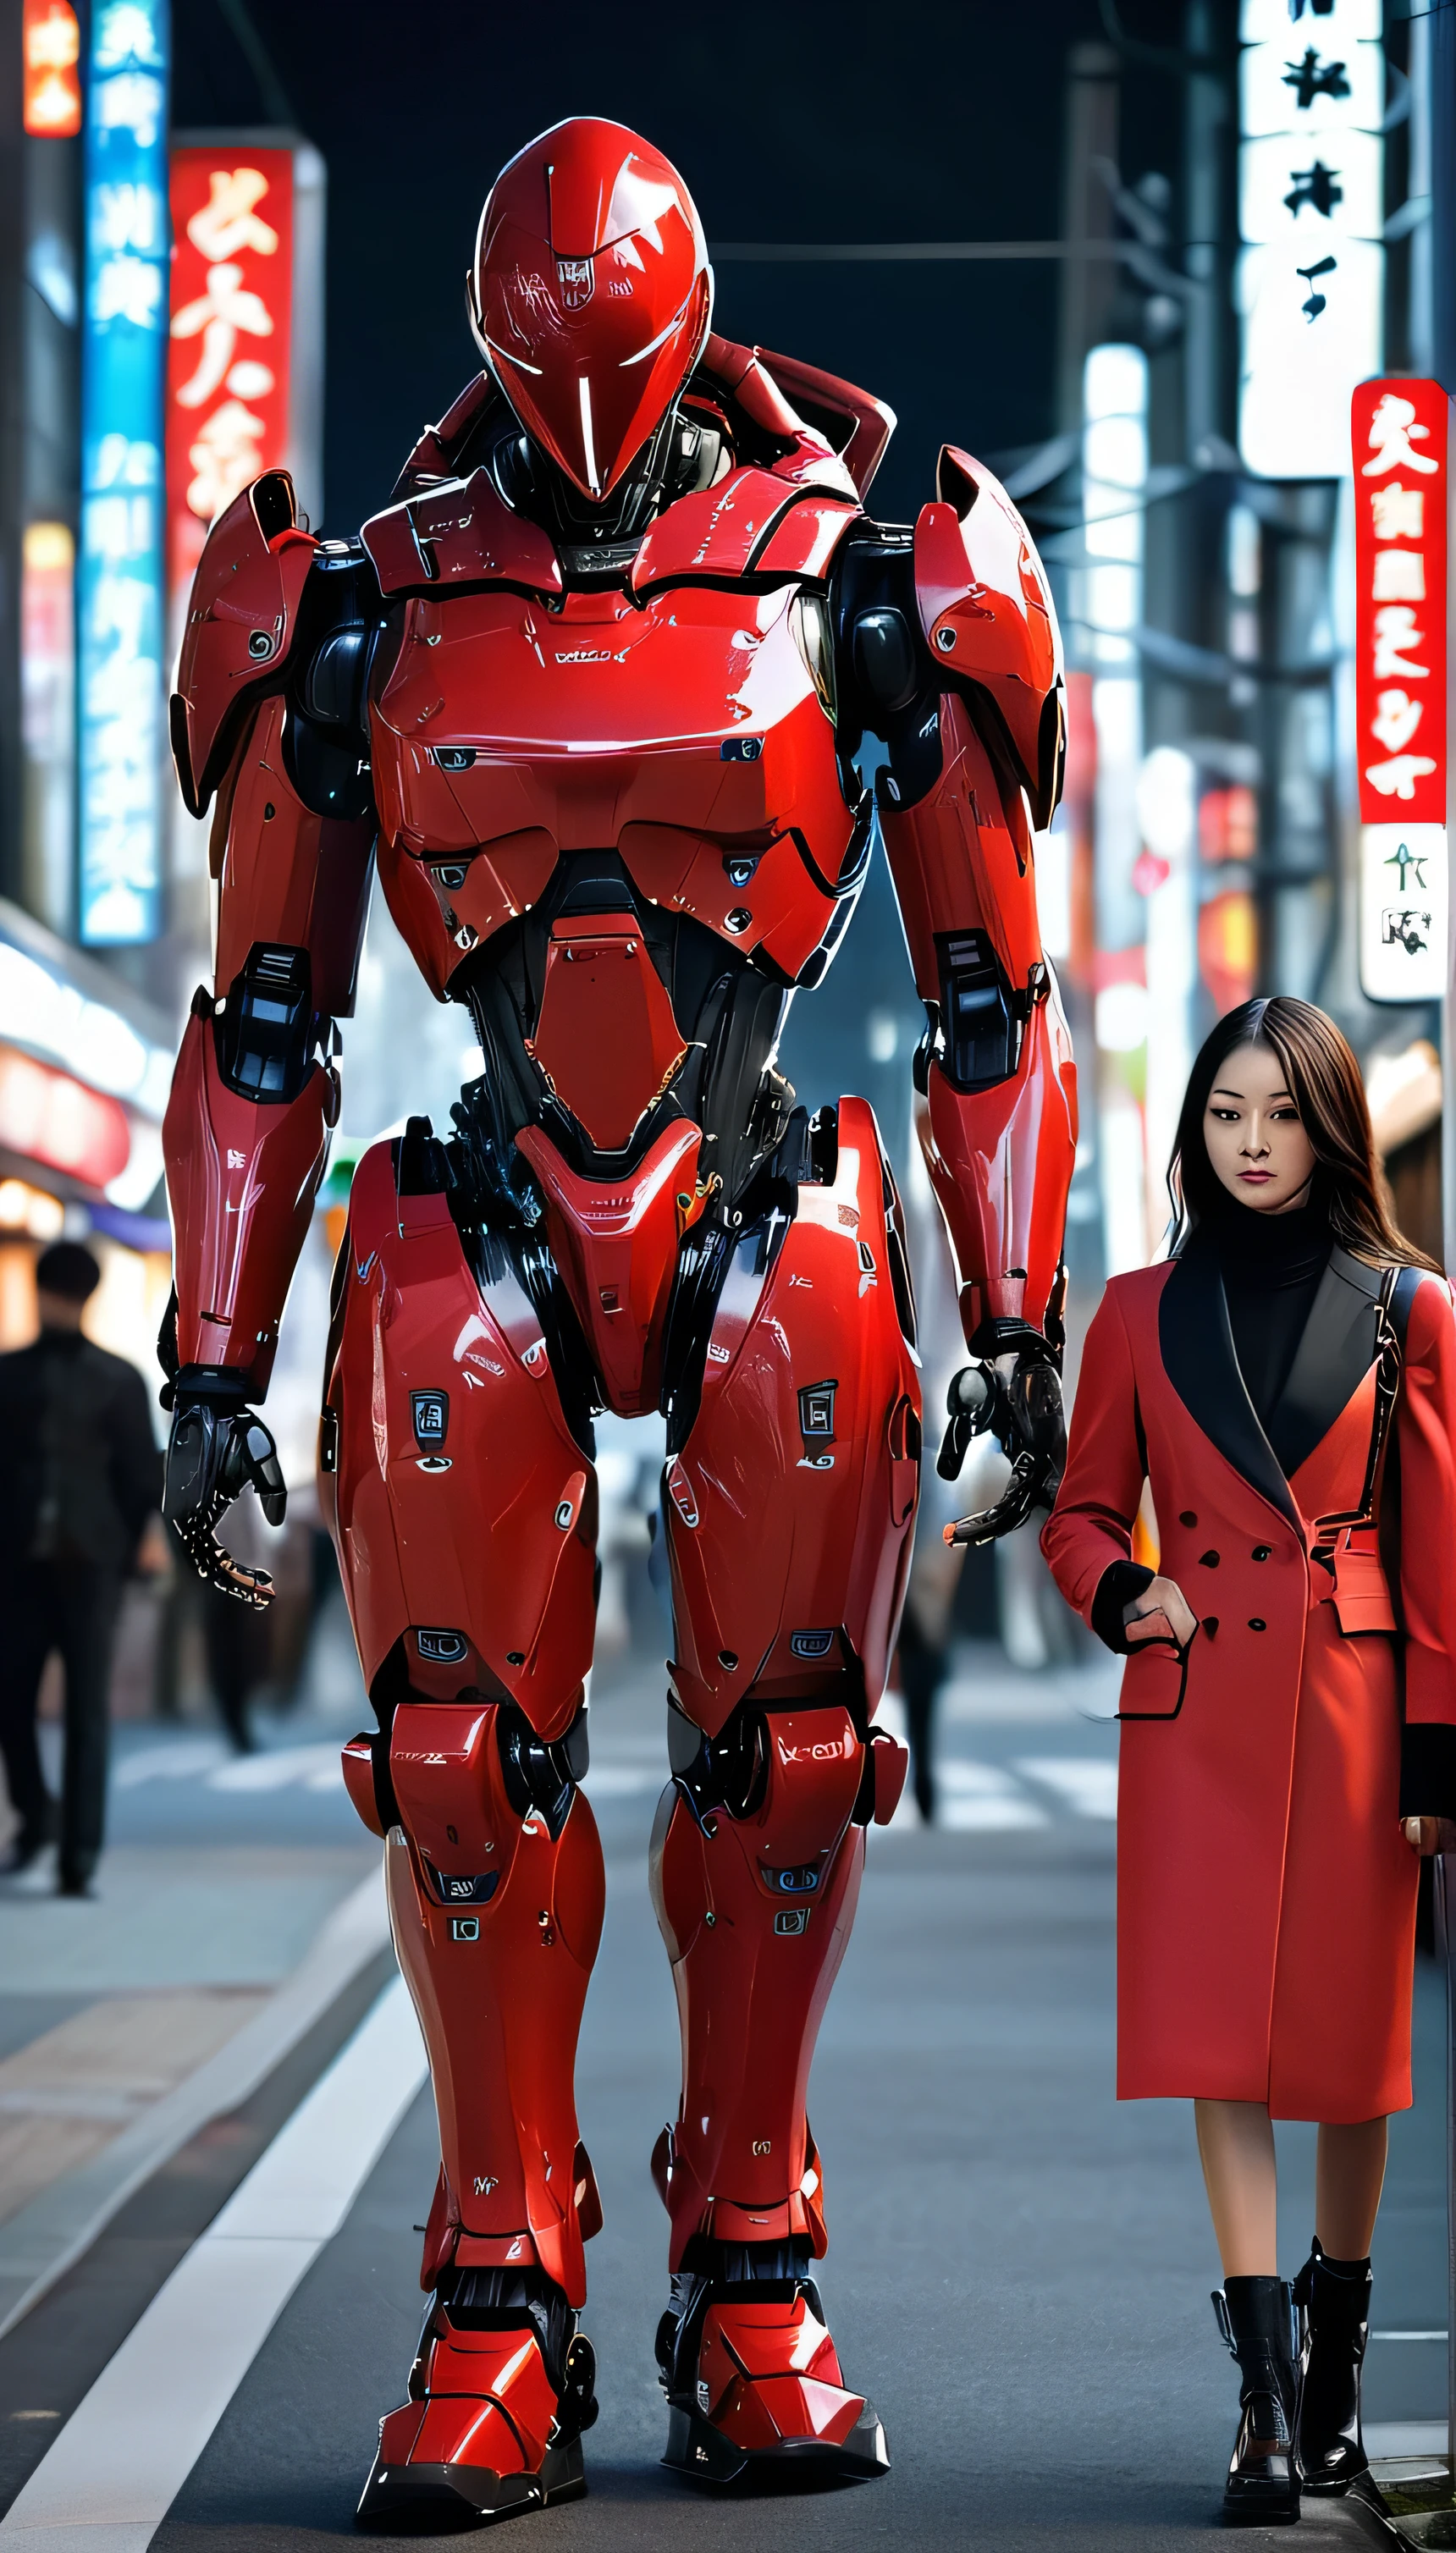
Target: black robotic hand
214, 1453
217, 1446
1022, 1409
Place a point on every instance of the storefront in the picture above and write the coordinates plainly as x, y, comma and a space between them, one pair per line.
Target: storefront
84, 1069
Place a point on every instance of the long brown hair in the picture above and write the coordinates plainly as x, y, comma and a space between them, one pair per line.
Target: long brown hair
1323, 1078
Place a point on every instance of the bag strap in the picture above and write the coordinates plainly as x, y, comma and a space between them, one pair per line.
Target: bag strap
1403, 1297
1393, 1320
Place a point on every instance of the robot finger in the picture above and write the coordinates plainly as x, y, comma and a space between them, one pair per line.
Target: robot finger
251, 1587
263, 1469
972, 1402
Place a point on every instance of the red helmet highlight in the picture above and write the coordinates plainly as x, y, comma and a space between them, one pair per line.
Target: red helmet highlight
591, 293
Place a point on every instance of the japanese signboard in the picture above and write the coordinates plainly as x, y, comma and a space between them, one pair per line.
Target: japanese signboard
229, 364
1398, 434
1311, 274
119, 581
1399, 431
1402, 913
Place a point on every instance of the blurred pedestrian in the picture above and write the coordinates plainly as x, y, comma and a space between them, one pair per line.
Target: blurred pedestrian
923, 1652
81, 1487
1286, 1384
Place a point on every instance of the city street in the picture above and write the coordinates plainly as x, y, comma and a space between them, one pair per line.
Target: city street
1019, 2272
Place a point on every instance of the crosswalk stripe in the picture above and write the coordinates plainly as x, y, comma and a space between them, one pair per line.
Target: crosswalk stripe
113, 2472
979, 1799
976, 1797
1086, 1784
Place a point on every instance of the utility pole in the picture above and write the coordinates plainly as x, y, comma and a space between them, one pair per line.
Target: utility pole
1088, 282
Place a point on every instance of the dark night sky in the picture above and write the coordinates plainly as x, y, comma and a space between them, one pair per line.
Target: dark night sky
881, 119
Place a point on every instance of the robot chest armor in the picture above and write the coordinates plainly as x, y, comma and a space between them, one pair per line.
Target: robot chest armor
690, 734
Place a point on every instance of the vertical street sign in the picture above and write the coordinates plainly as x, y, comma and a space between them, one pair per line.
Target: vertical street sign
1311, 215
119, 585
231, 351
1399, 434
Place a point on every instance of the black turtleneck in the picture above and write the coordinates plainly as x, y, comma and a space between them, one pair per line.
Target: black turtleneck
1270, 1265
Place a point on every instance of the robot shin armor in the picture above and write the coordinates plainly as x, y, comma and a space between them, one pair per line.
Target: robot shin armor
496, 1915
755, 1904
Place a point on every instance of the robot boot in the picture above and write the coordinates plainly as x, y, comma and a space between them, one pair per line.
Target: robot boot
755, 1895
500, 2393
496, 1951
754, 2387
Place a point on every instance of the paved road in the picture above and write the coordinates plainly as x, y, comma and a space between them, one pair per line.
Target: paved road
1019, 2272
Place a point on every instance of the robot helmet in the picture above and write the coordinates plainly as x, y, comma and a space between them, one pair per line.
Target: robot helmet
590, 294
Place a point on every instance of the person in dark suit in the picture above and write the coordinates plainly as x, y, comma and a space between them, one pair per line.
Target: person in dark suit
81, 1487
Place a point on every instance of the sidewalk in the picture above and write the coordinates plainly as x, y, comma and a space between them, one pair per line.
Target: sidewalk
236, 1897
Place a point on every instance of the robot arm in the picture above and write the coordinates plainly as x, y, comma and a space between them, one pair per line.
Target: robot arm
269, 717
951, 654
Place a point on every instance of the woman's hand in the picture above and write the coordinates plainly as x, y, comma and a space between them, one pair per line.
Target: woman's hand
1160, 1613
1426, 1835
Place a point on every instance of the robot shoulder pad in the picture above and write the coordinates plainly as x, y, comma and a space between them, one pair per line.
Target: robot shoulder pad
987, 613
242, 619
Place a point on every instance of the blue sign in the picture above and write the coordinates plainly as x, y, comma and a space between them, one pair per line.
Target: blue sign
118, 581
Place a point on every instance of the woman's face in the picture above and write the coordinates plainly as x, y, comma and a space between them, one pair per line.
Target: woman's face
1252, 1128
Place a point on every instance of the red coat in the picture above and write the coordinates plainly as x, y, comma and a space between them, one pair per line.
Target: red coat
1266, 1892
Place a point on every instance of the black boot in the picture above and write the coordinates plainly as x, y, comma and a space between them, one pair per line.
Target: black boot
1256, 2319
1333, 2297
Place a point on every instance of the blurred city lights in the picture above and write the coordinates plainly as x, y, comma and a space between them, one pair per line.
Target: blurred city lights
119, 600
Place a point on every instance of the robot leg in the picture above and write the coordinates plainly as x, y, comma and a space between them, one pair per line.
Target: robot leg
464, 1513
789, 1509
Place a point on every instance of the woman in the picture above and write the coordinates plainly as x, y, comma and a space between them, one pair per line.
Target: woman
1287, 1386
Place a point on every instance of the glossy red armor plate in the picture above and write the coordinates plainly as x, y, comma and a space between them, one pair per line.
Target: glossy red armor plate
460, 533
605, 1037
693, 724
789, 1506
725, 532
616, 1242
986, 609
241, 1178
240, 625
739, 2163
502, 1972
487, 1531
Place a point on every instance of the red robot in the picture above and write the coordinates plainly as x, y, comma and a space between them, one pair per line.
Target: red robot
590, 691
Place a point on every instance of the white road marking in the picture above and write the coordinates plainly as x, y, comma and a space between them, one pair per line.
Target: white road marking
318, 1768
110, 2476
178, 1762
979, 1799
39, 2243
1087, 1783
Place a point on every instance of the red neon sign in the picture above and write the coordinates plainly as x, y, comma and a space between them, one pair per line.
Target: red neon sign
1398, 432
231, 334
50, 51
50, 1118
